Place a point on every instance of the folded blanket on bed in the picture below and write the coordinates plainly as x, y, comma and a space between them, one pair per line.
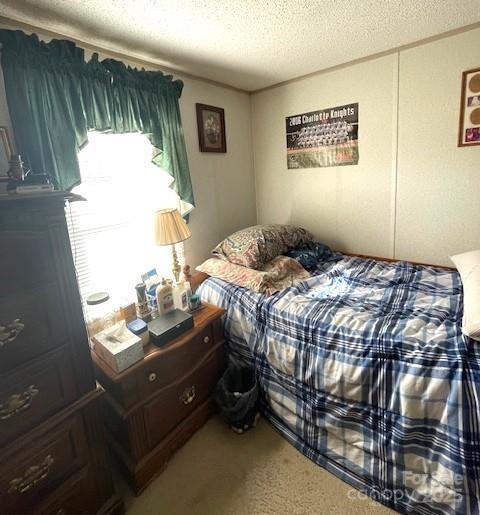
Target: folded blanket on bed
276, 275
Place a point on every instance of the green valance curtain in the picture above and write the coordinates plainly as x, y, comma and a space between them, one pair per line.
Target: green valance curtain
54, 97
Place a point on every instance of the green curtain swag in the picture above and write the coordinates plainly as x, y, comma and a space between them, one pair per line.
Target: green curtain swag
55, 97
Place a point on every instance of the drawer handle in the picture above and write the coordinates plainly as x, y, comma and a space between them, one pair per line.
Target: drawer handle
9, 332
18, 402
32, 476
206, 339
152, 377
188, 395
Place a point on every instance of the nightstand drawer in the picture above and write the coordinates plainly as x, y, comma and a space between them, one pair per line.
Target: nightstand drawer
174, 362
178, 400
29, 474
34, 392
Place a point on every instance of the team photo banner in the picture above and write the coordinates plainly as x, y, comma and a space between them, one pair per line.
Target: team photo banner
323, 138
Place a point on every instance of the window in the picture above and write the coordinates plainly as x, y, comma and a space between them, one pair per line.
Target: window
112, 232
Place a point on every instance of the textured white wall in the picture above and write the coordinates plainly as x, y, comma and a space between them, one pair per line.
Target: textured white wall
422, 204
438, 206
223, 184
4, 116
4, 122
348, 207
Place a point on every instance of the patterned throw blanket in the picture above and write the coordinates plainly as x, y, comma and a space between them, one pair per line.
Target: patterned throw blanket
364, 368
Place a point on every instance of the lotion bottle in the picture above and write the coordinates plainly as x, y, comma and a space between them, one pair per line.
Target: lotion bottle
165, 301
180, 296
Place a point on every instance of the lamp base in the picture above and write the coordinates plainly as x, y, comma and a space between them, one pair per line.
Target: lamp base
175, 264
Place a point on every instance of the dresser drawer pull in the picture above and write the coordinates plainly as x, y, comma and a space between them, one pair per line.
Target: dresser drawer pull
32, 476
152, 377
9, 332
206, 339
18, 402
188, 395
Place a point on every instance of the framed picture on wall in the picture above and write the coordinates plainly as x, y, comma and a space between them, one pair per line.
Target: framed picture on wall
469, 132
211, 128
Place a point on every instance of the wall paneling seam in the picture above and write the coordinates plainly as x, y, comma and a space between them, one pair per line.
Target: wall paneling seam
394, 194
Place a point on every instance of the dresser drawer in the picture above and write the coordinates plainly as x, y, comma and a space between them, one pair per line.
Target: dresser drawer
177, 401
173, 363
75, 497
30, 473
34, 392
33, 322
25, 260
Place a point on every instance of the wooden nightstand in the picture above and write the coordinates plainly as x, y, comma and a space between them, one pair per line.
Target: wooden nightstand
156, 405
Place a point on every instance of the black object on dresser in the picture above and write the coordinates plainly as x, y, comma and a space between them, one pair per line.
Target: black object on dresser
165, 328
52, 445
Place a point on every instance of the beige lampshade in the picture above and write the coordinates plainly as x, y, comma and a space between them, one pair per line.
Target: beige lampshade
170, 227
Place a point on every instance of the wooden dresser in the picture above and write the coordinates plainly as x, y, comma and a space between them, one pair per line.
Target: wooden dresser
156, 405
53, 456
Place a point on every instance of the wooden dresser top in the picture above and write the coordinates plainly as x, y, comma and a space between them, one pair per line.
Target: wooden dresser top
201, 319
6, 198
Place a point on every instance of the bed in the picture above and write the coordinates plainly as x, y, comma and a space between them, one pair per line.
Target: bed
364, 368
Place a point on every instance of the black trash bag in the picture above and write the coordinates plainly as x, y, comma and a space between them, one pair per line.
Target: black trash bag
236, 396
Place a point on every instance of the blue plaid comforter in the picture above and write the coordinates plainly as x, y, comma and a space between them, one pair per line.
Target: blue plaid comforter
364, 368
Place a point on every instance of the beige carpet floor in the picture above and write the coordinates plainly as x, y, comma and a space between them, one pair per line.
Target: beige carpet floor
258, 473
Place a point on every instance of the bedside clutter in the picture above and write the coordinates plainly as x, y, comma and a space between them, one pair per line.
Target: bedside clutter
121, 345
118, 346
167, 327
153, 407
139, 328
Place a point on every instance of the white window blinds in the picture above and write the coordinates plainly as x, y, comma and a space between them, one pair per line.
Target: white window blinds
112, 232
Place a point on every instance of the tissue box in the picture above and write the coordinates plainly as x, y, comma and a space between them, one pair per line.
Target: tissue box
118, 347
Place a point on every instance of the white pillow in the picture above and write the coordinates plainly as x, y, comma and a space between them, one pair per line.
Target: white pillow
468, 265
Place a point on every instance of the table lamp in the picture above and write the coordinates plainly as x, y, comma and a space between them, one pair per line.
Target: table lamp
170, 228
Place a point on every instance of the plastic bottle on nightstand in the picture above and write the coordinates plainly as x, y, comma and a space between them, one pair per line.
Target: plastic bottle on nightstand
164, 295
180, 297
186, 282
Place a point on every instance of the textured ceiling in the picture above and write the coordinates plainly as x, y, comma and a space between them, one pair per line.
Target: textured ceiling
249, 44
